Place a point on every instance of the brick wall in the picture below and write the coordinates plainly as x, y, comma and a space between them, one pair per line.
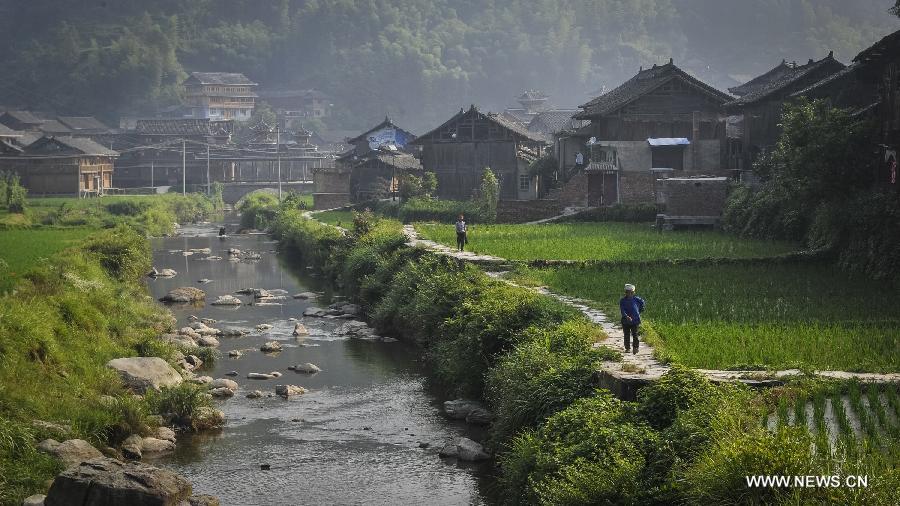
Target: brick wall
695, 197
521, 211
330, 200
332, 180
637, 187
575, 192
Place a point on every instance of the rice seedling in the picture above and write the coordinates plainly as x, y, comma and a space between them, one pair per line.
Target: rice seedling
730, 316
846, 436
608, 241
800, 410
877, 408
783, 412
893, 399
862, 414
823, 446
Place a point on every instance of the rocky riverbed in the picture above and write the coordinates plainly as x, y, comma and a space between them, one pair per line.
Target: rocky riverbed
318, 406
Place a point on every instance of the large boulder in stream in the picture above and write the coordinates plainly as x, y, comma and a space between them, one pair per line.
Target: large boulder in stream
104, 481
162, 273
184, 295
227, 300
144, 373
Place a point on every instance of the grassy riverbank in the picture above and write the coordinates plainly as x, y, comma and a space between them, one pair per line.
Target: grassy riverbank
79, 301
558, 439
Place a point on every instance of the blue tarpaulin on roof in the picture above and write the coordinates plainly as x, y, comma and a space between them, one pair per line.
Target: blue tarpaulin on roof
668, 141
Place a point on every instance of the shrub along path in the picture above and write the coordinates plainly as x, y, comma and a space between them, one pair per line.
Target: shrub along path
635, 370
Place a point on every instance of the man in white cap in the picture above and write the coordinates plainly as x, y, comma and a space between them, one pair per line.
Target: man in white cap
631, 306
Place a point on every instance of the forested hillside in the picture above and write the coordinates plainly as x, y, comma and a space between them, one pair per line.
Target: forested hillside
416, 59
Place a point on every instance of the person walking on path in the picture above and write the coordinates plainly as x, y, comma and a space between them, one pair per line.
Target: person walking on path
631, 306
461, 230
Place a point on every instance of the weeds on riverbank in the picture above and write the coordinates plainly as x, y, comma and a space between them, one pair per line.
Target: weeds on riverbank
70, 315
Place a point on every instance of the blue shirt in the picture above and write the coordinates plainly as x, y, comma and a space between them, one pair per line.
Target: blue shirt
632, 307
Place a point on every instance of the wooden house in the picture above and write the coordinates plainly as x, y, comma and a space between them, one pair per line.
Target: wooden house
880, 66
22, 121
660, 123
62, 166
220, 95
761, 99
461, 148
377, 160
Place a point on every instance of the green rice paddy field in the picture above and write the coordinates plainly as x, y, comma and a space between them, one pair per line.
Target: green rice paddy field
22, 248
808, 315
601, 241
340, 218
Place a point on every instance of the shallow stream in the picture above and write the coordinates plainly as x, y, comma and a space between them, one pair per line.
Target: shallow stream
367, 432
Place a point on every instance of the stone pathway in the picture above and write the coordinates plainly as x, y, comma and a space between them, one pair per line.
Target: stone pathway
635, 370
568, 211
413, 240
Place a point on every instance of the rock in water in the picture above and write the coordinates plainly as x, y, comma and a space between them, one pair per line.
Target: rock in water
306, 296
224, 383
222, 392
464, 449
152, 446
459, 409
270, 347
308, 368
288, 391
206, 418
143, 373
184, 294
254, 394
203, 500
162, 273
104, 481
259, 376
227, 300
479, 416
300, 330
315, 312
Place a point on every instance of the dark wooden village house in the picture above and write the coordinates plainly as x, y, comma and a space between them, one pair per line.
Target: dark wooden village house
461, 148
660, 123
60, 166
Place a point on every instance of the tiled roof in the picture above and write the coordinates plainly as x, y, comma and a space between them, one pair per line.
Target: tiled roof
25, 117
644, 82
5, 131
786, 79
533, 95
516, 127
887, 46
399, 160
223, 78
79, 145
182, 126
51, 126
83, 123
551, 122
762, 79
384, 124
282, 93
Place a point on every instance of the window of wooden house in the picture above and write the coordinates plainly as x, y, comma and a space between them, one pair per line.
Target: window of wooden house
524, 183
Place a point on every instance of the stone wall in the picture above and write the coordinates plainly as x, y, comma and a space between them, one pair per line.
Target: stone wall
330, 200
521, 211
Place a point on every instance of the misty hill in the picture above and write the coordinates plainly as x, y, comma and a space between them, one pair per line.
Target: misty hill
418, 60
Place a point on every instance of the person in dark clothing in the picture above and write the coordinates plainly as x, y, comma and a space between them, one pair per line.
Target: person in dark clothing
631, 307
221, 231
461, 230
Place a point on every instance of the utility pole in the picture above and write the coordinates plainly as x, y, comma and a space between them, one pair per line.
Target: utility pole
151, 177
208, 187
183, 168
278, 147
